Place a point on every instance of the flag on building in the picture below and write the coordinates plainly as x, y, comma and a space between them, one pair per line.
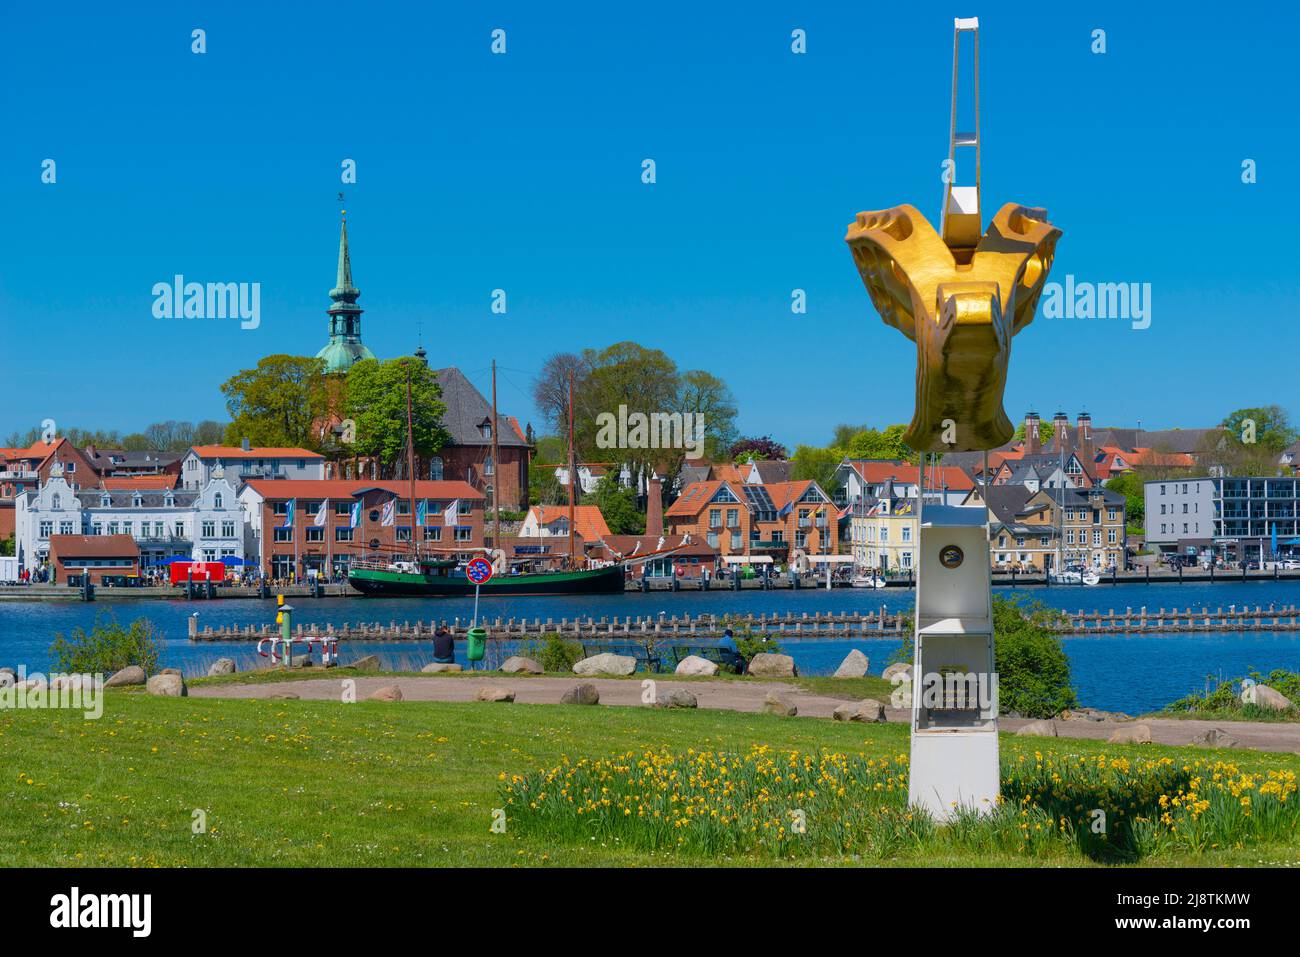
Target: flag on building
786, 509
421, 512
321, 517
390, 512
452, 514
288, 513
354, 519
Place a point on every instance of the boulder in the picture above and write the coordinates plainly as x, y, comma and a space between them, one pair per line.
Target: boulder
368, 663
767, 665
130, 675
897, 668
1216, 738
300, 661
1131, 734
222, 666
606, 664
676, 699
695, 665
854, 665
168, 685
775, 704
584, 693
434, 667
868, 709
1265, 697
518, 664
6, 679
386, 693
71, 682
283, 696
494, 693
172, 671
1039, 729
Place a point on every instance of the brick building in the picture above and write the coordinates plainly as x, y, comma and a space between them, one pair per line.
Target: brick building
743, 519
94, 555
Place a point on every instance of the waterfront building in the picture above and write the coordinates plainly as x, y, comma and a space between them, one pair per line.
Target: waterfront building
547, 521
1232, 517
777, 519
882, 530
240, 463
858, 481
41, 512
96, 556
25, 469
299, 527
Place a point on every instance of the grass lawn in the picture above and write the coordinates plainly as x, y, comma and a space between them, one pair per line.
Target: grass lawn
415, 783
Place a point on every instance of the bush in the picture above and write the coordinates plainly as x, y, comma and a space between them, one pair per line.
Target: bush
108, 647
1224, 700
555, 653
1033, 670
747, 643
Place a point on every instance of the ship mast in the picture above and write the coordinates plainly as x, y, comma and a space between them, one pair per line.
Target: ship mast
496, 466
573, 474
410, 460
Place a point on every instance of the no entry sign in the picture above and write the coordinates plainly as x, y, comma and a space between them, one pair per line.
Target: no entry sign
479, 570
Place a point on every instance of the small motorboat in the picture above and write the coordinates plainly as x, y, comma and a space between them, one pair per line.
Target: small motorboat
868, 581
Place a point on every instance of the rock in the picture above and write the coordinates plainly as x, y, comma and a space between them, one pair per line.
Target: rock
854, 665
1216, 738
775, 704
1093, 714
168, 685
368, 663
868, 709
518, 664
222, 666
897, 668
493, 693
386, 693
6, 679
71, 682
1040, 729
606, 664
300, 661
434, 667
1265, 697
584, 693
767, 665
130, 675
676, 699
282, 696
1132, 734
695, 665
9, 670
172, 671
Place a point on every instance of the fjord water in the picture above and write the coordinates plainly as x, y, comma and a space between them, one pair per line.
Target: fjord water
1131, 673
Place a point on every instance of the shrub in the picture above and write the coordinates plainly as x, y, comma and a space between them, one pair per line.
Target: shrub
107, 647
1033, 669
555, 653
747, 643
1225, 697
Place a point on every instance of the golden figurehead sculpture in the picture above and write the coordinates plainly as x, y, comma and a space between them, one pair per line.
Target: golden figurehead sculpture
961, 296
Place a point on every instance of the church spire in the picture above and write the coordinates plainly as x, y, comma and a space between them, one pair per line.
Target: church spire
343, 290
344, 347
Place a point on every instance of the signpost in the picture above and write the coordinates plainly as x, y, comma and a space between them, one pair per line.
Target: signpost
479, 571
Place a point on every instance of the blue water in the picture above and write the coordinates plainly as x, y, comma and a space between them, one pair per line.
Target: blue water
1131, 673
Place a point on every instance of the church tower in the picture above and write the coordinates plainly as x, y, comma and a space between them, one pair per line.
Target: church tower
344, 347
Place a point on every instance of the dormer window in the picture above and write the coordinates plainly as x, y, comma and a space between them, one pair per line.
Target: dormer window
217, 500
105, 501
486, 430
136, 501
170, 501
56, 502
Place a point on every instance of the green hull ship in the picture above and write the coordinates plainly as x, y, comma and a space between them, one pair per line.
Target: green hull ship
435, 579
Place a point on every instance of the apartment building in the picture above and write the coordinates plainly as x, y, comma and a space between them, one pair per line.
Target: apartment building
1236, 518
738, 518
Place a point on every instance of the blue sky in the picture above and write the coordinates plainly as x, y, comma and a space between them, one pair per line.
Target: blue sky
522, 172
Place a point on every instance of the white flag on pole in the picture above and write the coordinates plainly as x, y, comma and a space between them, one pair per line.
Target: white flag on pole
452, 513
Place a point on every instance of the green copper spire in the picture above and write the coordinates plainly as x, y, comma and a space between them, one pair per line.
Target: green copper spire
344, 347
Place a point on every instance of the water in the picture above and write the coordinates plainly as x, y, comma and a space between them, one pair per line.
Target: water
1130, 673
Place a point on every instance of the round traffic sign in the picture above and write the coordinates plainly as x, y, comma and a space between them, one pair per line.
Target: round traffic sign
479, 570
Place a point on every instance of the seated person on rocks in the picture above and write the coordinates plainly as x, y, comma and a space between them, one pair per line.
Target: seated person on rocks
443, 652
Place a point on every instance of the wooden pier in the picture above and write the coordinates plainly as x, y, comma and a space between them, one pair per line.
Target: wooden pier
819, 625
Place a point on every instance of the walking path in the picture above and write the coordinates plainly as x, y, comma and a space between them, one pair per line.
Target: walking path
727, 695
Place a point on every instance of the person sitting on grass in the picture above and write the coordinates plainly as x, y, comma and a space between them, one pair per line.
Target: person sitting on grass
443, 651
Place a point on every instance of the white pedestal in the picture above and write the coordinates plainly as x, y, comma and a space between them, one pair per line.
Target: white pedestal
954, 688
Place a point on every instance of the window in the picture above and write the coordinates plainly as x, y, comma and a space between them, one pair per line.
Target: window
46, 527
179, 529
128, 528
283, 534
907, 533
1112, 514
342, 534
136, 501
97, 529
735, 541
1096, 537
56, 502
404, 533
712, 538
403, 506
907, 559
1112, 537
435, 468
315, 534
158, 529
342, 508
733, 518
112, 528
884, 533
280, 508
228, 530
489, 466
432, 534
210, 528
65, 528
715, 518
170, 501
464, 534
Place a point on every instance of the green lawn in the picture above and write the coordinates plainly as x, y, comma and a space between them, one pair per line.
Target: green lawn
415, 783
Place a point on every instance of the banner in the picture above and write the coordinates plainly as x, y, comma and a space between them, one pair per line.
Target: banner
288, 513
354, 519
421, 512
321, 517
390, 512
452, 515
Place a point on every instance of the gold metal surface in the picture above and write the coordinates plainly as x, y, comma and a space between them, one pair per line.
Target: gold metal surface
961, 307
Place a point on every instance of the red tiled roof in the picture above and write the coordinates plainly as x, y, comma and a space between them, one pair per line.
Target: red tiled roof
143, 482
346, 488
236, 452
94, 546
944, 476
695, 497
587, 519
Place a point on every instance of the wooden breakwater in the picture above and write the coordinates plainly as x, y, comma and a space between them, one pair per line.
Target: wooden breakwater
822, 625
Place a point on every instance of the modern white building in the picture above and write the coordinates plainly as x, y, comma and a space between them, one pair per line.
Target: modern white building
241, 463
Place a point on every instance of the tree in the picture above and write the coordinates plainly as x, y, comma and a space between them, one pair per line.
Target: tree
1269, 427
618, 504
1248, 442
704, 394
207, 432
544, 488
817, 464
276, 403
1032, 668
7, 546
876, 444
137, 442
1130, 485
376, 402
759, 448
551, 388
1046, 432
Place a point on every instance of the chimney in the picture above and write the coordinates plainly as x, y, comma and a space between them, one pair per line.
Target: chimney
654, 507
1084, 437
1033, 444
1060, 441
243, 444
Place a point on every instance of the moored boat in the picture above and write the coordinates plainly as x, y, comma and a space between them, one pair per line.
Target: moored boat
434, 578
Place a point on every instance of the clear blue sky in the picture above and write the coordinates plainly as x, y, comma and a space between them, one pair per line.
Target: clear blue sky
522, 172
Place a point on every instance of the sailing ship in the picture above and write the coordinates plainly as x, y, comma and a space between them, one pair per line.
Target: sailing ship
436, 573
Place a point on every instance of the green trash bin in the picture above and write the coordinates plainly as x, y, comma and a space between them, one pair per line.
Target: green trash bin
475, 643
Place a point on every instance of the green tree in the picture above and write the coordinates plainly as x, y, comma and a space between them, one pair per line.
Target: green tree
878, 444
7, 546
544, 488
1046, 432
1032, 667
107, 647
817, 464
1130, 485
276, 403
618, 504
704, 394
1270, 425
376, 402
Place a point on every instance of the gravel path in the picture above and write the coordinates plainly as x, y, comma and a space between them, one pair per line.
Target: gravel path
731, 696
